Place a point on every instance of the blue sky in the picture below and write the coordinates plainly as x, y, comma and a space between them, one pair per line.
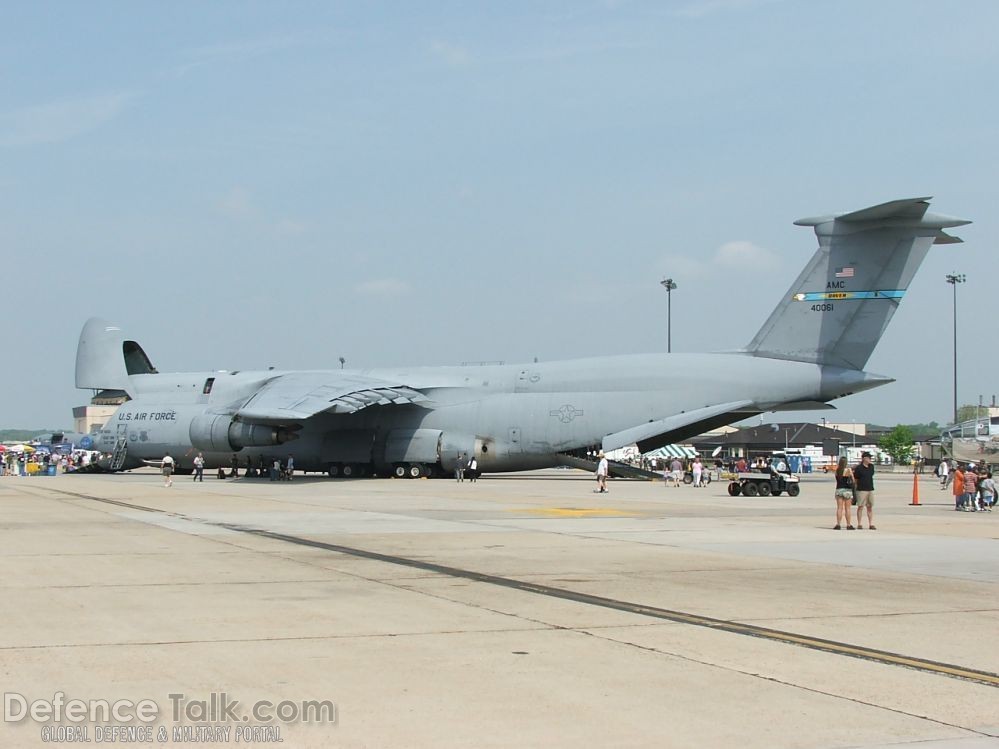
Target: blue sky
249, 184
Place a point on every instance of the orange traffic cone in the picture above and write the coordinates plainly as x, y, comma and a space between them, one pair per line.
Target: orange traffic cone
915, 491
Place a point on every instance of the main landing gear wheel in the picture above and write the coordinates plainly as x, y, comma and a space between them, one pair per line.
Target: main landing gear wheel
348, 471
765, 490
399, 471
334, 471
793, 490
734, 488
750, 490
414, 470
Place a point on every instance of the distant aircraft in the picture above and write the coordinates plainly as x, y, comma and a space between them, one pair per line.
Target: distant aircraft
65, 441
424, 421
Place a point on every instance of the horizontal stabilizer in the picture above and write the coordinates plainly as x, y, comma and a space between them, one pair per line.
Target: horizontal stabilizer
908, 212
906, 208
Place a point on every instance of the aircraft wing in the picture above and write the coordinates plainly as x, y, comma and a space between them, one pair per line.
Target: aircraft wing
675, 427
297, 396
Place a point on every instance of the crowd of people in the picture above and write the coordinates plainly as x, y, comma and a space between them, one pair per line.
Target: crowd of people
972, 485
38, 460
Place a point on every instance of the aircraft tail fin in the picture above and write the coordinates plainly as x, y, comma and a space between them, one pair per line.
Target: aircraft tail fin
105, 360
839, 306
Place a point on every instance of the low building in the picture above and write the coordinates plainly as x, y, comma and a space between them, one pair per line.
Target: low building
819, 443
95, 415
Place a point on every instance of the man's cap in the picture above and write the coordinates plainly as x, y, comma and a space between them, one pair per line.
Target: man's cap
865, 454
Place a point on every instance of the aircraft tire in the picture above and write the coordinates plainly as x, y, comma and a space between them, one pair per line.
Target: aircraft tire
348, 471
750, 489
333, 471
734, 489
415, 471
764, 489
793, 490
399, 471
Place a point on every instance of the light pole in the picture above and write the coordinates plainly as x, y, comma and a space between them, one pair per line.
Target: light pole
954, 279
669, 284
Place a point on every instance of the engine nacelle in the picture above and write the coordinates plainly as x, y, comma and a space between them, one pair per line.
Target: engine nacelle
221, 433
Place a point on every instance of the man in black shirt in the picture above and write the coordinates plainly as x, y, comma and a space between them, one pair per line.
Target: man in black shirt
863, 477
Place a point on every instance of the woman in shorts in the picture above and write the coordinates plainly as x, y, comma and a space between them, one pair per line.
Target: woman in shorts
844, 495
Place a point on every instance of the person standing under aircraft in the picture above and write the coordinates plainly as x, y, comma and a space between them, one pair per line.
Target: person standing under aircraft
473, 469
167, 470
602, 468
844, 494
289, 467
863, 481
459, 468
199, 468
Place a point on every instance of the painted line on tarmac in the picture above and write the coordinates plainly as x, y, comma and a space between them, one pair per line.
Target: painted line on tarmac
723, 625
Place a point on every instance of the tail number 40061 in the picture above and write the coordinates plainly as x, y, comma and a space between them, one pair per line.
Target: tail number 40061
827, 307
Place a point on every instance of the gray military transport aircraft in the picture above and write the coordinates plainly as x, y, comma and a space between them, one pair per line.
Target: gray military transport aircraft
417, 421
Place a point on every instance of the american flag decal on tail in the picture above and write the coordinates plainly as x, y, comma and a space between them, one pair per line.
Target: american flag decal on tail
846, 272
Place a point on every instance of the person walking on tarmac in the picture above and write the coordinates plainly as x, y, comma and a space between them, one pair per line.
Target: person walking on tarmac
166, 467
943, 471
602, 468
199, 468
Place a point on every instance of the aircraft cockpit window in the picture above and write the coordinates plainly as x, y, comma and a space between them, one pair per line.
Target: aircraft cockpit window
208, 385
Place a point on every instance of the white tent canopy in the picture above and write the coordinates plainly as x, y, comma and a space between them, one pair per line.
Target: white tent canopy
672, 451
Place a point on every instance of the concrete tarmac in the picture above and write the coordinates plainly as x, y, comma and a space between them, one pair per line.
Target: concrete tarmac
520, 610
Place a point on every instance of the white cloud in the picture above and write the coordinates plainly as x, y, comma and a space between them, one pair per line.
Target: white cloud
236, 203
701, 8
246, 49
744, 255
60, 120
288, 227
736, 255
382, 287
452, 54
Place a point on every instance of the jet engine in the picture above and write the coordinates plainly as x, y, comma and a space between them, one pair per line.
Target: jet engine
221, 433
